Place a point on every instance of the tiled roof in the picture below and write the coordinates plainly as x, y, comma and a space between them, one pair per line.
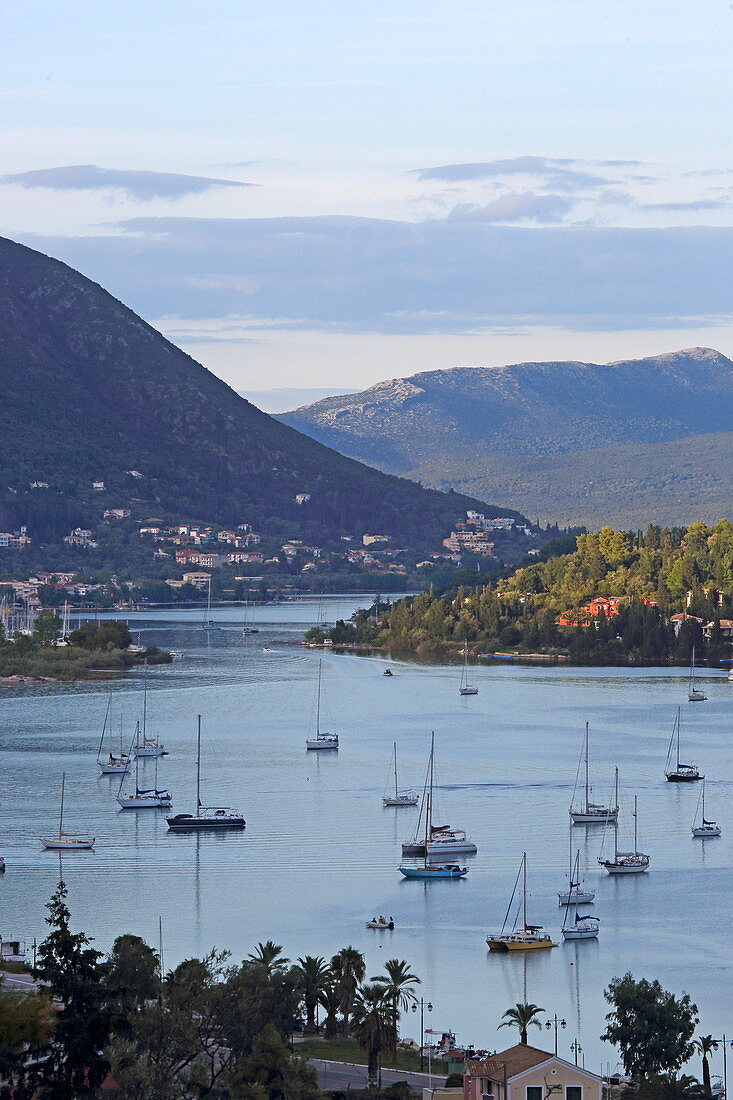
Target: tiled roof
517, 1059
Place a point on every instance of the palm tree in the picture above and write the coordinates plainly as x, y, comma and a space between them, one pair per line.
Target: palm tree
371, 1019
330, 1000
521, 1016
706, 1045
667, 1086
349, 968
269, 957
314, 974
397, 980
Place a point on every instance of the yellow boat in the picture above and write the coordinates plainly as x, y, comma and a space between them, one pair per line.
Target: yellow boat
530, 937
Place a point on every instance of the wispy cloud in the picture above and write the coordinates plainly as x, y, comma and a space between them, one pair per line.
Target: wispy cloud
560, 171
140, 185
692, 206
515, 207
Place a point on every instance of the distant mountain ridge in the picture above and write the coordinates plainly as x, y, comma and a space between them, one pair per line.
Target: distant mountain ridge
91, 392
509, 433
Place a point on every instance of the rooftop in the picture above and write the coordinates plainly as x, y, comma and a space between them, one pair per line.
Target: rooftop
517, 1059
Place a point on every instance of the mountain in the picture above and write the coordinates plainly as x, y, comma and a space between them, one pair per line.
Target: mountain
90, 392
623, 443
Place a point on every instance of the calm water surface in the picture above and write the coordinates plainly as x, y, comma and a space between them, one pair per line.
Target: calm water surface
320, 854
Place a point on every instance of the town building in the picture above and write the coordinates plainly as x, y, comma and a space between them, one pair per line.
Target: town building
302, 498
526, 1073
198, 580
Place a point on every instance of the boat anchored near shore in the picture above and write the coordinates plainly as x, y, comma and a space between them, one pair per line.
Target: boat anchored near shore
589, 813
204, 817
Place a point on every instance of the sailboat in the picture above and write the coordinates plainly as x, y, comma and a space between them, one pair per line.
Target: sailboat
247, 627
530, 937
144, 799
321, 740
437, 840
148, 746
208, 623
67, 842
679, 773
584, 926
574, 895
705, 828
204, 817
694, 695
429, 869
625, 863
590, 813
399, 798
116, 763
466, 688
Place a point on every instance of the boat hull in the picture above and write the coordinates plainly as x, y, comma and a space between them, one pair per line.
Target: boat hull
468, 691
581, 818
457, 848
580, 934
400, 801
682, 777
68, 844
413, 848
145, 803
324, 744
147, 751
433, 872
576, 897
626, 868
114, 769
519, 943
704, 831
187, 823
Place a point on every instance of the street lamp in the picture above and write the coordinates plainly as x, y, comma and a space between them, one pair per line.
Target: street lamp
423, 1005
554, 1022
576, 1049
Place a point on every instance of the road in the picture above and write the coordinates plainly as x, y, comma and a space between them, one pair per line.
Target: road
344, 1075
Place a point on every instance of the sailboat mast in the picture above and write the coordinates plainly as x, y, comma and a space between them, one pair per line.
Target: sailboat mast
61, 812
395, 769
429, 807
524, 887
635, 837
587, 787
318, 702
615, 823
198, 765
104, 726
145, 699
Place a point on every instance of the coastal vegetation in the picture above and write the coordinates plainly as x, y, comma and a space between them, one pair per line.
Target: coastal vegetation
545, 607
88, 650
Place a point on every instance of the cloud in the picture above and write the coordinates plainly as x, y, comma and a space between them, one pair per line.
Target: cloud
550, 168
515, 207
359, 275
141, 185
692, 206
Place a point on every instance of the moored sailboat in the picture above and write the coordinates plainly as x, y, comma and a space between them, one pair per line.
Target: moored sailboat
435, 840
321, 740
530, 937
116, 763
149, 798
205, 817
705, 828
694, 695
626, 863
675, 771
67, 842
399, 798
590, 813
465, 687
575, 894
583, 926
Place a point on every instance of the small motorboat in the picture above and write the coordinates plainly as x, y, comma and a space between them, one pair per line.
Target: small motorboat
388, 672
381, 924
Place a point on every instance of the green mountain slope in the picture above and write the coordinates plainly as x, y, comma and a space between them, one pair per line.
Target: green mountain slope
90, 392
574, 442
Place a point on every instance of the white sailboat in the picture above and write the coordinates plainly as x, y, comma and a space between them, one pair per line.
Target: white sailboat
675, 771
149, 798
583, 926
626, 863
574, 895
208, 623
429, 868
530, 937
247, 627
466, 688
589, 813
116, 763
399, 798
438, 840
705, 828
67, 842
321, 740
694, 695
145, 746
205, 817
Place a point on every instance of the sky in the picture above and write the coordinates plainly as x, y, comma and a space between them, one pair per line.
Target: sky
311, 198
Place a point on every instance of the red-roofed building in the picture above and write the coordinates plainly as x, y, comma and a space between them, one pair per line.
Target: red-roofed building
526, 1073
